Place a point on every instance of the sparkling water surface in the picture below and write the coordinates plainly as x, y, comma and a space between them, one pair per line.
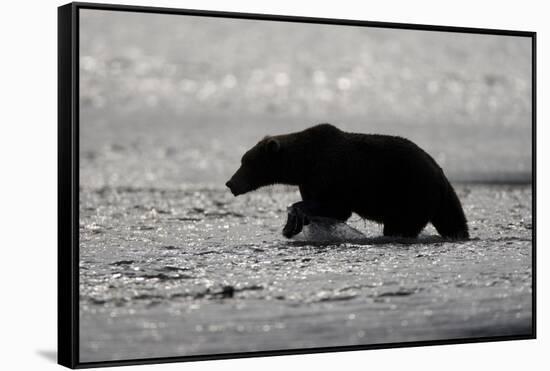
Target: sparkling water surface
197, 271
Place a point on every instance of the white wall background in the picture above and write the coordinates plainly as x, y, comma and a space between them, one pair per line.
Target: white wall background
28, 163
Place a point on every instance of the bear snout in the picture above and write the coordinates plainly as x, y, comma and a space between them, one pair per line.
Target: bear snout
231, 185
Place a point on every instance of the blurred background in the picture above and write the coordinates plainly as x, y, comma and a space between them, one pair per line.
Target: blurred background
168, 100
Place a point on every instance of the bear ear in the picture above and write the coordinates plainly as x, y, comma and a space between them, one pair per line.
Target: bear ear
273, 145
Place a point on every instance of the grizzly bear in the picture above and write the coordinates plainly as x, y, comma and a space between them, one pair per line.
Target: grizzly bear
386, 179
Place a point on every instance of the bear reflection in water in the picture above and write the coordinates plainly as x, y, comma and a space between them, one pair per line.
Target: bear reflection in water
386, 179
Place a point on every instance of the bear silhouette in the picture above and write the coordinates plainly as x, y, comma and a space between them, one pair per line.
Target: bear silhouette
386, 179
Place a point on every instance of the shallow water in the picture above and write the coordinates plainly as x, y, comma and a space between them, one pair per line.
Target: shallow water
194, 270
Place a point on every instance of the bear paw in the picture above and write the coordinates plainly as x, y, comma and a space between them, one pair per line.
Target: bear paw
297, 218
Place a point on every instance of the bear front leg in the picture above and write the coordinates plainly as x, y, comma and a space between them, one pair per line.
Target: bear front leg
300, 214
297, 217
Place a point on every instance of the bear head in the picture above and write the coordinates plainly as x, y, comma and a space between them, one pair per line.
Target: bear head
259, 167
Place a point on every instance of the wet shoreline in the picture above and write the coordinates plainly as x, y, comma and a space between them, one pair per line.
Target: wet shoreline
197, 271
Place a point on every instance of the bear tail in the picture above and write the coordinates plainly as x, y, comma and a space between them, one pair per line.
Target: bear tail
449, 219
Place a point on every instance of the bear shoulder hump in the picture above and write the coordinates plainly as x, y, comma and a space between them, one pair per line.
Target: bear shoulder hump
325, 128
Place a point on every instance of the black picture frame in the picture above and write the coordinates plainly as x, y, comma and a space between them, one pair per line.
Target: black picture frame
68, 180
